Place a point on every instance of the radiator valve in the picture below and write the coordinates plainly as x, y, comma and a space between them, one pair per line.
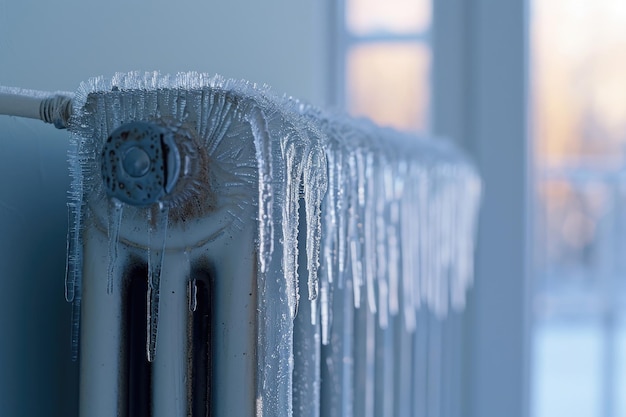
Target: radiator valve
140, 163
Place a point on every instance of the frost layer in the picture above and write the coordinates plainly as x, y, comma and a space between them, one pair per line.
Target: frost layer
386, 222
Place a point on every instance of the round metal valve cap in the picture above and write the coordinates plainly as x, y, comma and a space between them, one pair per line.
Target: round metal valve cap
136, 162
140, 163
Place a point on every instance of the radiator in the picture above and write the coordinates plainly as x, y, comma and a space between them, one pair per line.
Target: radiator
234, 253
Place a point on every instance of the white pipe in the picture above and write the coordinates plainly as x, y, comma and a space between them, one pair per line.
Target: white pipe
46, 106
20, 105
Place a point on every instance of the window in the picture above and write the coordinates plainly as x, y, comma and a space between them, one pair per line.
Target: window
578, 75
387, 61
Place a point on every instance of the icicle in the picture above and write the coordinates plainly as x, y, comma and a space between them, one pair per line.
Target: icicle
446, 241
394, 233
291, 217
330, 220
263, 147
73, 275
343, 196
325, 311
158, 236
369, 230
424, 230
457, 291
409, 275
71, 272
471, 192
75, 330
393, 239
74, 266
354, 235
382, 259
70, 277
356, 272
315, 185
445, 221
114, 222
329, 251
315, 311
192, 287
192, 295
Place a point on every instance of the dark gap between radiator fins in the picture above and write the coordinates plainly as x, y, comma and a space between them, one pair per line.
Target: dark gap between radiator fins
137, 378
200, 341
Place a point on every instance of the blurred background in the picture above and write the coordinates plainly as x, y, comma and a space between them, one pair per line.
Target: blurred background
534, 91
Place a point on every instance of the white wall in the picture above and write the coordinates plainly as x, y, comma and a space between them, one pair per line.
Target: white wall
56, 45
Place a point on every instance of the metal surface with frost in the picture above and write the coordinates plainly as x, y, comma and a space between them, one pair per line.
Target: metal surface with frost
335, 250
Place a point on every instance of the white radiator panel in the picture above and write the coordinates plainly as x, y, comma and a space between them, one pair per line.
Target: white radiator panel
101, 338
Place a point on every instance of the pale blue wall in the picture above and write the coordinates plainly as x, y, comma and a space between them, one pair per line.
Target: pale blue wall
55, 46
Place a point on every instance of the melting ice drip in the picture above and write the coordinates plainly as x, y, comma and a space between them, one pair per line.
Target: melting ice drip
389, 224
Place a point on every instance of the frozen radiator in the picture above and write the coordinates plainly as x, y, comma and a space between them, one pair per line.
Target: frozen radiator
232, 253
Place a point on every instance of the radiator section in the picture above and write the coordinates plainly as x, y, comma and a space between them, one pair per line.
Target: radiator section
235, 253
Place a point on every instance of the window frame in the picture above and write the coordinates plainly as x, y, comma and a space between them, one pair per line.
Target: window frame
480, 100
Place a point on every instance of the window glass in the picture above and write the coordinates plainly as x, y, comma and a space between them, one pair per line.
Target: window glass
387, 16
578, 79
389, 82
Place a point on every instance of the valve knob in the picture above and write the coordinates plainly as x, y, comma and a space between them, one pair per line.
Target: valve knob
140, 163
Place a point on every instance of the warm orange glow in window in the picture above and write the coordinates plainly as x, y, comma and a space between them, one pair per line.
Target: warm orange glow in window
389, 83
388, 16
579, 79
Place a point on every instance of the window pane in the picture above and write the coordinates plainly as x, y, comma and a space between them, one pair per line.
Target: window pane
567, 355
580, 79
579, 127
366, 17
389, 83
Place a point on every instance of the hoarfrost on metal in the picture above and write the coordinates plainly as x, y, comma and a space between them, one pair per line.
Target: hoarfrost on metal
387, 235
